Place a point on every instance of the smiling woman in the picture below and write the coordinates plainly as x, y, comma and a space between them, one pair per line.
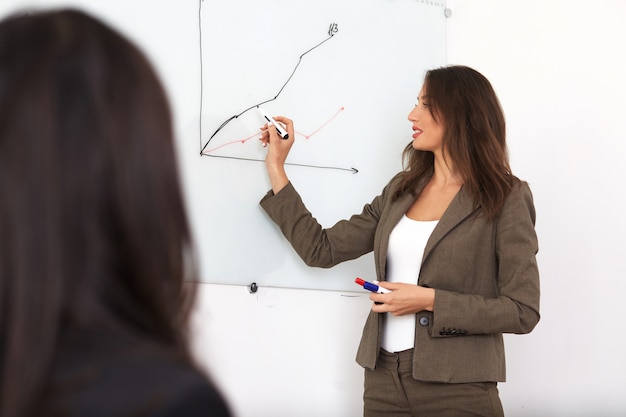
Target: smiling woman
463, 108
454, 241
428, 128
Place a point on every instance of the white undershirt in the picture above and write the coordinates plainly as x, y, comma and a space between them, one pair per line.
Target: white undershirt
404, 258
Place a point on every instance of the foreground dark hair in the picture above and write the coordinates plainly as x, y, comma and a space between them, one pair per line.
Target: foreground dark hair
474, 136
92, 223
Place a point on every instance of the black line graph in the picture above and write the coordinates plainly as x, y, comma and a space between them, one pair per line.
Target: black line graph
333, 29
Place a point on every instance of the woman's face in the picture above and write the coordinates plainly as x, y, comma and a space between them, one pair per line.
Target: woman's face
427, 132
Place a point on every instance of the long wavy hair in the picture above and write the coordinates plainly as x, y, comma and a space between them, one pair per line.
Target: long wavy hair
92, 223
474, 136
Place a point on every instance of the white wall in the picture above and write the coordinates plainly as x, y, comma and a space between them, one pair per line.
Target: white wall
558, 67
283, 352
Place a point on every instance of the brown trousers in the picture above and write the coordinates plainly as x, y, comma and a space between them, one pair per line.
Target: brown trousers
391, 391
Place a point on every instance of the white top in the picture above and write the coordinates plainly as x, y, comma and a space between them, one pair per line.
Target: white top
404, 259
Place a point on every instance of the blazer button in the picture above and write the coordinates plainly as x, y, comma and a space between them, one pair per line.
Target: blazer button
424, 321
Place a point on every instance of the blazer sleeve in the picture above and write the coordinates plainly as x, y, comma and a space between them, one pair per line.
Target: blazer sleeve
319, 247
515, 306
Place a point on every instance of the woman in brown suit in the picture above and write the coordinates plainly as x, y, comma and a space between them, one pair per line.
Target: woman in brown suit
454, 240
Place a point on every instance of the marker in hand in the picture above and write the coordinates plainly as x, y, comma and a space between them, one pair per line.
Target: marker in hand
371, 287
281, 131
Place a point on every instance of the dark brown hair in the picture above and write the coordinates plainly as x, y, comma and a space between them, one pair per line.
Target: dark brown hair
92, 223
474, 136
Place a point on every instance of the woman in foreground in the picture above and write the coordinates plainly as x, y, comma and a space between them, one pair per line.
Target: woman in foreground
95, 242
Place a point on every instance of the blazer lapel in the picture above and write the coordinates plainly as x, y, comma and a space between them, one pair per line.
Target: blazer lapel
459, 209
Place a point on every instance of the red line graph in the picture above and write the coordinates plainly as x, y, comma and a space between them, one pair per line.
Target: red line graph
233, 142
256, 135
322, 126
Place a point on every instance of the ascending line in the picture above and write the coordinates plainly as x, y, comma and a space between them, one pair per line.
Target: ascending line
209, 152
256, 135
333, 29
322, 126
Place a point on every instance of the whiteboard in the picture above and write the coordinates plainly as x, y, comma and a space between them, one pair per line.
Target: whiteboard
346, 72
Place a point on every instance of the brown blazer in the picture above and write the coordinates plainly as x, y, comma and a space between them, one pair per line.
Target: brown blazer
484, 274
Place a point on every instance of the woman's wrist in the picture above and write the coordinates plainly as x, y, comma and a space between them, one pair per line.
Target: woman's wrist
278, 176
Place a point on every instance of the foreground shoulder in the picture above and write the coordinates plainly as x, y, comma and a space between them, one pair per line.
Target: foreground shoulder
105, 374
166, 387
191, 394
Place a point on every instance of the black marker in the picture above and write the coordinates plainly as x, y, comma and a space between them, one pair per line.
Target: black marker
271, 120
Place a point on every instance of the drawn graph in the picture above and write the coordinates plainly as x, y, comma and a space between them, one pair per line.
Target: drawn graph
211, 149
347, 73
